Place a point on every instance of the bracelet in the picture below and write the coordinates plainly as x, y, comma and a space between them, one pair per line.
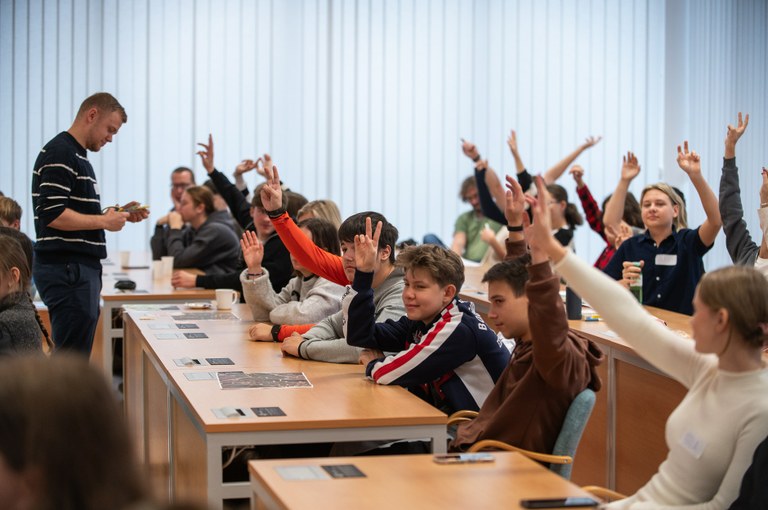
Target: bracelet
764, 204
275, 332
253, 275
476, 159
276, 213
516, 228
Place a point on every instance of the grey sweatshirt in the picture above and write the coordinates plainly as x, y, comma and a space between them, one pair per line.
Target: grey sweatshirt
327, 340
742, 249
302, 301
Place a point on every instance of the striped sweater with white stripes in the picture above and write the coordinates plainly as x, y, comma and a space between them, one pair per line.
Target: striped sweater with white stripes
453, 362
63, 178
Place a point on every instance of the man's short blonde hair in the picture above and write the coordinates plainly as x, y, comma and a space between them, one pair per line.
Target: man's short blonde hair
443, 265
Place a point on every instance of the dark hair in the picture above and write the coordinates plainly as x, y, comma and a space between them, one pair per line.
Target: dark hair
256, 200
443, 265
513, 272
16, 251
211, 187
103, 101
572, 214
295, 202
10, 210
324, 234
201, 195
632, 213
355, 225
466, 185
60, 419
182, 169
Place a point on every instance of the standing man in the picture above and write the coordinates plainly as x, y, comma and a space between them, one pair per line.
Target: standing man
70, 224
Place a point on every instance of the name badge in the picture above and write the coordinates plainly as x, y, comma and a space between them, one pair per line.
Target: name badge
666, 260
692, 444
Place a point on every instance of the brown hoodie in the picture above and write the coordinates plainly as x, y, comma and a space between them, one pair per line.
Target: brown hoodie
527, 406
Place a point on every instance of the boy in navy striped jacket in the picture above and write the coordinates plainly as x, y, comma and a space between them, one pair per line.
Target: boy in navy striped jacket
443, 351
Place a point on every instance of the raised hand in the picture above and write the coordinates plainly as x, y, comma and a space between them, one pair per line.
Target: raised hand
764, 188
261, 332
514, 209
539, 234
206, 155
688, 161
630, 168
487, 234
590, 141
578, 175
271, 192
247, 165
733, 135
469, 149
512, 142
253, 251
366, 247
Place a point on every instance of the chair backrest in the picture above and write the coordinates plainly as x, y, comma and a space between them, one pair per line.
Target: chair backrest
573, 427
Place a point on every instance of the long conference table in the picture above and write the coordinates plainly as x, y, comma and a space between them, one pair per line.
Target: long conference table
180, 422
623, 443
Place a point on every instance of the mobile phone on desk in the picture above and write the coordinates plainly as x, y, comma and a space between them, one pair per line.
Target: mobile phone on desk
558, 503
462, 458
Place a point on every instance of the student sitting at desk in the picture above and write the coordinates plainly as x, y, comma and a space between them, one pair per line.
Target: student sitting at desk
445, 353
306, 299
326, 341
670, 255
551, 363
713, 433
206, 245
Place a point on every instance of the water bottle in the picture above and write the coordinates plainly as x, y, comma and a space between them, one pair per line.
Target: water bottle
636, 287
572, 305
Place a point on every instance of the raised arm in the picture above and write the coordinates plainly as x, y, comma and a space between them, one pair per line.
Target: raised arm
588, 203
614, 209
690, 163
554, 173
489, 189
512, 144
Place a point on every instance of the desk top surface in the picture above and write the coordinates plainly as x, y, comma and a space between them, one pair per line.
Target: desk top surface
412, 481
340, 395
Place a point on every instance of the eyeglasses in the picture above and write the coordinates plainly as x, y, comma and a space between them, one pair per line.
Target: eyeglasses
182, 185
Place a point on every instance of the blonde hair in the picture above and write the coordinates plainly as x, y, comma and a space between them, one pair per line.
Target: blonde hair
443, 265
324, 209
682, 218
10, 210
743, 292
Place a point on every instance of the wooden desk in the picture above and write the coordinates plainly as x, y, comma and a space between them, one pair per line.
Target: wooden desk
181, 439
149, 290
408, 481
623, 443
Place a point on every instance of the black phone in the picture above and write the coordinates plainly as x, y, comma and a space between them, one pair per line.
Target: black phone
558, 503
125, 285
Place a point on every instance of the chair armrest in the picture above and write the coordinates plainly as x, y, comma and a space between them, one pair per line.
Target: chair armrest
460, 416
491, 444
603, 493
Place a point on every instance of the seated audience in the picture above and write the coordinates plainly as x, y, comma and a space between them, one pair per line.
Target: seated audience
444, 352
220, 212
204, 244
326, 209
551, 363
306, 299
670, 256
21, 330
63, 439
715, 430
742, 249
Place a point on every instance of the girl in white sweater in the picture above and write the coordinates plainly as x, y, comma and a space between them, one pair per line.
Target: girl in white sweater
714, 431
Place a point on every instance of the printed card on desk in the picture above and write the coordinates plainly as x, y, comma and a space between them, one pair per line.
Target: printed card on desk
187, 326
301, 473
189, 362
169, 336
218, 361
200, 376
343, 471
265, 412
240, 380
161, 325
193, 336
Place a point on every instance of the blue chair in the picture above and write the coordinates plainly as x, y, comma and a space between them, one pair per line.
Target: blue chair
561, 459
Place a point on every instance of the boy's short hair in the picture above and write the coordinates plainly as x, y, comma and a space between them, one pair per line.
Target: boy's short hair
105, 102
443, 265
512, 272
466, 185
355, 225
256, 200
10, 210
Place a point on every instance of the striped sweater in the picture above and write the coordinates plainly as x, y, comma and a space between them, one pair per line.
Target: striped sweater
63, 178
453, 362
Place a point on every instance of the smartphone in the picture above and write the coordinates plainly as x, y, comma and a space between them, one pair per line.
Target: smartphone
134, 208
463, 458
558, 503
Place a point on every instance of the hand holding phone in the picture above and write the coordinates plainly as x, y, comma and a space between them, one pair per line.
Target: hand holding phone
558, 503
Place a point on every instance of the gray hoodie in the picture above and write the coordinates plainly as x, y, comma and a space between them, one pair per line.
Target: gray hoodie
327, 340
742, 249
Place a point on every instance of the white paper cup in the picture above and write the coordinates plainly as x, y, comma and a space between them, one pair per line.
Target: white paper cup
157, 269
125, 259
225, 298
167, 263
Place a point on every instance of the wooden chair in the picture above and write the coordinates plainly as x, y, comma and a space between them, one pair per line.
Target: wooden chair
561, 458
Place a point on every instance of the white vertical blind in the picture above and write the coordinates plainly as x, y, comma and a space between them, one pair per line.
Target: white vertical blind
365, 101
